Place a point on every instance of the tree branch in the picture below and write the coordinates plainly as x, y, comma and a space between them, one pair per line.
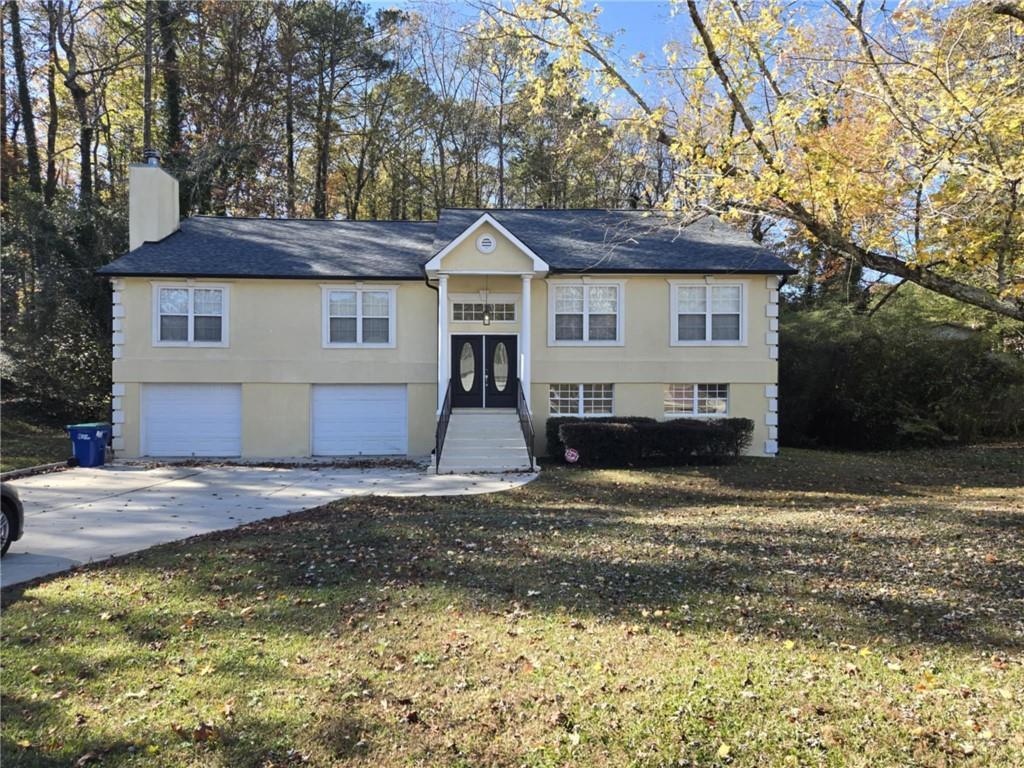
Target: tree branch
1013, 10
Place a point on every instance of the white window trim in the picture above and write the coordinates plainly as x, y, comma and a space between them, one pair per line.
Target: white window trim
619, 285
579, 400
693, 414
358, 288
673, 323
478, 298
190, 286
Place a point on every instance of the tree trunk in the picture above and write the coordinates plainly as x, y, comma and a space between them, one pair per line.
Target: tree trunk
50, 190
166, 16
289, 127
25, 98
5, 161
501, 147
147, 79
325, 114
80, 98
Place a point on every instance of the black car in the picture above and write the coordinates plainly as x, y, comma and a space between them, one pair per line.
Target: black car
13, 519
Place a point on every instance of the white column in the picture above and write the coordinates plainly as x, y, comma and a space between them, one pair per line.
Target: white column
524, 337
442, 340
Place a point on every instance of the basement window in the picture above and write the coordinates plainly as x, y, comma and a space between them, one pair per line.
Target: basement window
581, 399
699, 400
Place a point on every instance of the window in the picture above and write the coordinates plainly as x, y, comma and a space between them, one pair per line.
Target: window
359, 317
187, 315
580, 399
585, 313
697, 400
707, 314
473, 311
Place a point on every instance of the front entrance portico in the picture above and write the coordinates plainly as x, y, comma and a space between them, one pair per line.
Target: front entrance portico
484, 251
484, 349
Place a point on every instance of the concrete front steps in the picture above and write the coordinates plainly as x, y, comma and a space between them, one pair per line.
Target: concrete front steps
484, 440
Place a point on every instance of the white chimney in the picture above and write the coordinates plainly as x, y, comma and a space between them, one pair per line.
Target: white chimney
152, 203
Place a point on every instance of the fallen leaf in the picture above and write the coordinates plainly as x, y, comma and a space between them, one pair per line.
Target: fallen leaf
205, 732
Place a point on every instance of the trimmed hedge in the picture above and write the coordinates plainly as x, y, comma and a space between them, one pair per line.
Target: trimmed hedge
619, 443
556, 448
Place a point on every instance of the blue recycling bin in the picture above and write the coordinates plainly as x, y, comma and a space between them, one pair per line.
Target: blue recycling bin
89, 443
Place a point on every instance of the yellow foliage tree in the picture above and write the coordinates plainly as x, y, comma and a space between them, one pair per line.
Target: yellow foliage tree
894, 139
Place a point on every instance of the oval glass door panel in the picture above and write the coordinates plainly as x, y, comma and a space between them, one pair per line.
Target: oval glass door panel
500, 366
467, 366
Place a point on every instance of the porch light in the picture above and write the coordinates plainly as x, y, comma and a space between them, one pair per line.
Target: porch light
488, 308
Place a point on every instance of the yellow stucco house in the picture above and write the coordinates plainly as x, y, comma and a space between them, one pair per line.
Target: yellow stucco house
261, 338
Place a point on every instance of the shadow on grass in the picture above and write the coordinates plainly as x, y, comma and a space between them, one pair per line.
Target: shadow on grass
692, 551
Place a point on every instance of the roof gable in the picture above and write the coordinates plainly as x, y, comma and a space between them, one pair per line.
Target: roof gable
485, 224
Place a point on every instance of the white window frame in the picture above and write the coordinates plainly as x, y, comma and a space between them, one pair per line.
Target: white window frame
478, 298
620, 313
359, 289
673, 323
694, 413
190, 286
579, 400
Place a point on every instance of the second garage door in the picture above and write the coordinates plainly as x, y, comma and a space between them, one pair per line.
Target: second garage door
191, 419
360, 419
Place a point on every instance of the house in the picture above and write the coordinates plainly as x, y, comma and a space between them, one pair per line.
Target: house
296, 338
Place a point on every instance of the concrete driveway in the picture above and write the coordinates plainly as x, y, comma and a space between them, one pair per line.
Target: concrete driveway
83, 515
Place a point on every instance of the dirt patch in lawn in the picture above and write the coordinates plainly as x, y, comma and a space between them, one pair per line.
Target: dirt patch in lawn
820, 609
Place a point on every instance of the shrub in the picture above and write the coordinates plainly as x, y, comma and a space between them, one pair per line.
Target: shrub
607, 444
63, 372
892, 381
645, 441
556, 449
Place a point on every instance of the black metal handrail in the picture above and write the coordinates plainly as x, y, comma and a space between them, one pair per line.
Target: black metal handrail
442, 426
525, 422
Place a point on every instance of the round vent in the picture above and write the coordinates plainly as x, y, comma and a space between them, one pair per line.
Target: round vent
486, 243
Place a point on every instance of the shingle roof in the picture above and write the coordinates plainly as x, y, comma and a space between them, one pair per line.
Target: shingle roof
214, 246
598, 241
594, 240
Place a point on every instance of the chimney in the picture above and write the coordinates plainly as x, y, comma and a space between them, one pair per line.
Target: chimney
152, 202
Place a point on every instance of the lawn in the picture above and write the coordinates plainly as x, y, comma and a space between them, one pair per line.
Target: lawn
25, 442
819, 609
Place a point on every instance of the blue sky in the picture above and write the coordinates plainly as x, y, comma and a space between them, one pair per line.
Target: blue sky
640, 25
637, 25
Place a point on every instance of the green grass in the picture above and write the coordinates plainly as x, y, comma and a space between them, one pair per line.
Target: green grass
818, 610
24, 442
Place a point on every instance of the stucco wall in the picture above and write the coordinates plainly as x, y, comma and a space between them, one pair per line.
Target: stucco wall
152, 204
748, 401
275, 351
646, 361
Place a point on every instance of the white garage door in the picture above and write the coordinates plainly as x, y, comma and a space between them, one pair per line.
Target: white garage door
191, 419
353, 419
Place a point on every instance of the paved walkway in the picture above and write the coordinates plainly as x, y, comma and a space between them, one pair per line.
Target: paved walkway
84, 515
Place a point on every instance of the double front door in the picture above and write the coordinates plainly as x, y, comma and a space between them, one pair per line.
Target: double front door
484, 371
